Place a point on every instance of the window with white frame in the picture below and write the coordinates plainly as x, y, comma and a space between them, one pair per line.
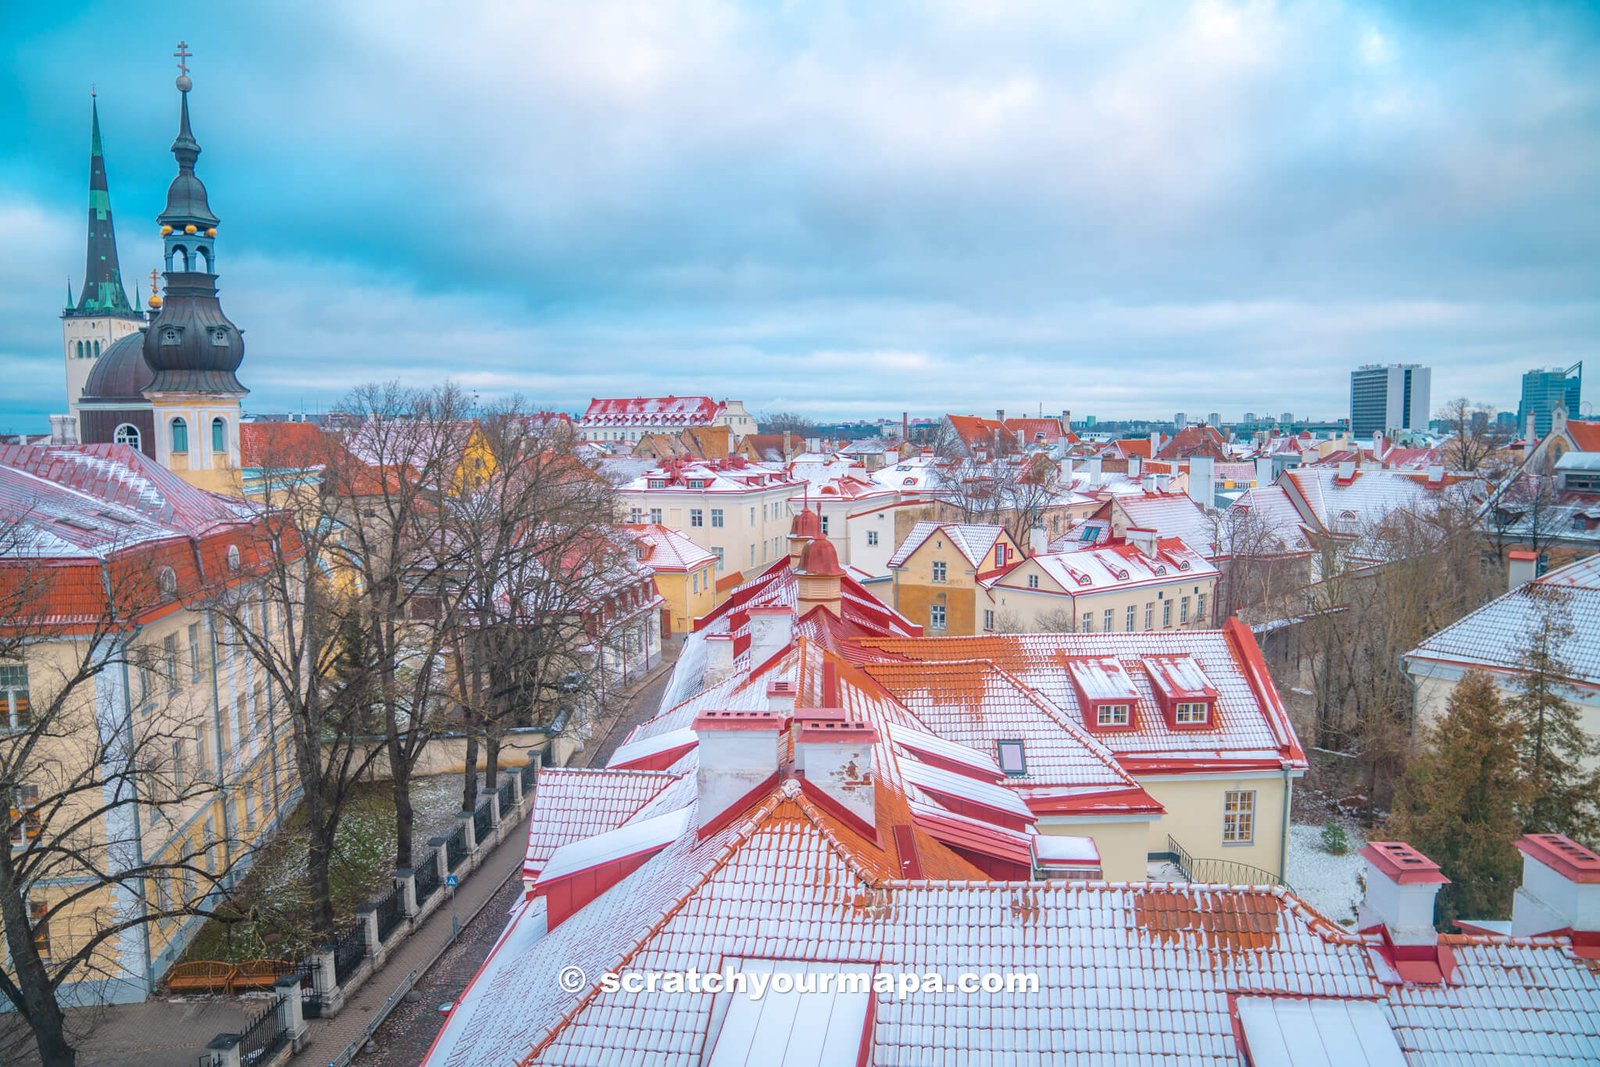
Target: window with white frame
1238, 816
1110, 617
39, 919
716, 518
169, 662
936, 617
1183, 611
1088, 622
1131, 614
1149, 614
24, 814
718, 553
872, 537
1033, 581
988, 618
697, 517
940, 570
15, 708
1200, 606
636, 515
1192, 711
1111, 715
1166, 614
655, 516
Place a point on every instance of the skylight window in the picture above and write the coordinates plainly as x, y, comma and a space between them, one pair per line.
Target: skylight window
1011, 758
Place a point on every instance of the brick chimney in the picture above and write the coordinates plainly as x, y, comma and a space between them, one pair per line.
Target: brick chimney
834, 758
1560, 887
1522, 567
740, 751
771, 630
1401, 886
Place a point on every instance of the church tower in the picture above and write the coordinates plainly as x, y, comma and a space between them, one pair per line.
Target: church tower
102, 313
190, 346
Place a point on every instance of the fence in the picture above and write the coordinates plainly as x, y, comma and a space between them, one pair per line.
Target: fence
348, 952
427, 877
391, 913
1219, 872
483, 821
262, 1038
530, 775
310, 1000
507, 797
455, 847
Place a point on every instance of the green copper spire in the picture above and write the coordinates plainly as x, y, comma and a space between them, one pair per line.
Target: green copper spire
102, 292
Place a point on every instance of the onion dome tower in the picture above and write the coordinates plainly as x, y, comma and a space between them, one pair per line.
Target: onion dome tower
101, 315
191, 347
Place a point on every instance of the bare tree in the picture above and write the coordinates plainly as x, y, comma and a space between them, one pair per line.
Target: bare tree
319, 666
90, 786
788, 422
1262, 576
1473, 436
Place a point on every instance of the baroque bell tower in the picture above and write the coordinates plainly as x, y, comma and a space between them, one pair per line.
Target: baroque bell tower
191, 346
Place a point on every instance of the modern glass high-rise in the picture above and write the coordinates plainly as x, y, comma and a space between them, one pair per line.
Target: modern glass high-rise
1542, 390
1384, 399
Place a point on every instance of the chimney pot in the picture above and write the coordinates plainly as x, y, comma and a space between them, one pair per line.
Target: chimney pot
835, 757
1560, 887
771, 630
1522, 567
739, 754
1401, 886
1347, 470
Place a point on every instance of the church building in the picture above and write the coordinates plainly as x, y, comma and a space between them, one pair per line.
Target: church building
168, 388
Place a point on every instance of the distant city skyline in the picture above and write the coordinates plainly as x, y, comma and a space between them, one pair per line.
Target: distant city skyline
885, 209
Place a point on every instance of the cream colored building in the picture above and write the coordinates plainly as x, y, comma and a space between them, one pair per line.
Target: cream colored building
737, 511
1143, 583
169, 693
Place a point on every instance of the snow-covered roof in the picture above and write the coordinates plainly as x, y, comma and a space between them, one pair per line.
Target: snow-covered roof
1170, 515
1266, 523
651, 411
973, 540
669, 550
1493, 636
1100, 567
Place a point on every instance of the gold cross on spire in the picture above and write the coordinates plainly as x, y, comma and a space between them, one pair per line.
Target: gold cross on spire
155, 282
182, 55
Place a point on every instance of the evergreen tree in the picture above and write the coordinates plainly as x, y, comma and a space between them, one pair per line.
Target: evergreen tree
1459, 800
1563, 796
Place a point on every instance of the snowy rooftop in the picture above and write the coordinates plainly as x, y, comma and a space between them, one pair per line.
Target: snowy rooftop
972, 540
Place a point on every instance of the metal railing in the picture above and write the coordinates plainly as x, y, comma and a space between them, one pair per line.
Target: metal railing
391, 913
310, 999
507, 797
530, 775
455, 847
427, 876
1219, 872
483, 821
348, 952
262, 1038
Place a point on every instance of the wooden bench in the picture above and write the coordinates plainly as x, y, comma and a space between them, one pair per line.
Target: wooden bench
201, 976
260, 974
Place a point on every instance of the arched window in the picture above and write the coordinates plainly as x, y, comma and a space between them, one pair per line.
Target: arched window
97, 350
167, 583
80, 349
180, 435
233, 557
219, 435
127, 434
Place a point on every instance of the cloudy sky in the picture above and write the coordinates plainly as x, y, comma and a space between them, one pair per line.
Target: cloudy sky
846, 209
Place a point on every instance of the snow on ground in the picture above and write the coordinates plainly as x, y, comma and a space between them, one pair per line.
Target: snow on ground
1328, 883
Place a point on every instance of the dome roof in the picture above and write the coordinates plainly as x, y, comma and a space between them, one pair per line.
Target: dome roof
121, 372
820, 559
806, 524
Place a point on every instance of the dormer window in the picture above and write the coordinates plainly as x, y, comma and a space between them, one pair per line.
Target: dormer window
1192, 712
658, 483
171, 335
1111, 715
219, 336
167, 583
697, 483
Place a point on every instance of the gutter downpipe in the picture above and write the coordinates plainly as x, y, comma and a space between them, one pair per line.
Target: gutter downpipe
1283, 844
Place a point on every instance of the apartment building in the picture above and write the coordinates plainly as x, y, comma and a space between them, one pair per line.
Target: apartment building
736, 510
631, 419
123, 563
939, 569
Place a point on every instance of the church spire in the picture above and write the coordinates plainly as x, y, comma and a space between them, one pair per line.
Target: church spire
102, 292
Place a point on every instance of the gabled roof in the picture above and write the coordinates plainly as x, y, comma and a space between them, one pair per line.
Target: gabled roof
1492, 636
1266, 523
1170, 515
1585, 434
1340, 505
284, 444
1093, 568
979, 431
651, 410
1194, 441
668, 550
973, 540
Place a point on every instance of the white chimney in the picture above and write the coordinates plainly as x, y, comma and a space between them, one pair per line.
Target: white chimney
1436, 474
834, 756
739, 755
719, 657
63, 429
780, 695
1560, 887
1142, 539
1401, 886
1203, 481
771, 631
1155, 443
1522, 567
1347, 470
1096, 474
1038, 541
1529, 437
1264, 470
1148, 483
1377, 444
1135, 465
